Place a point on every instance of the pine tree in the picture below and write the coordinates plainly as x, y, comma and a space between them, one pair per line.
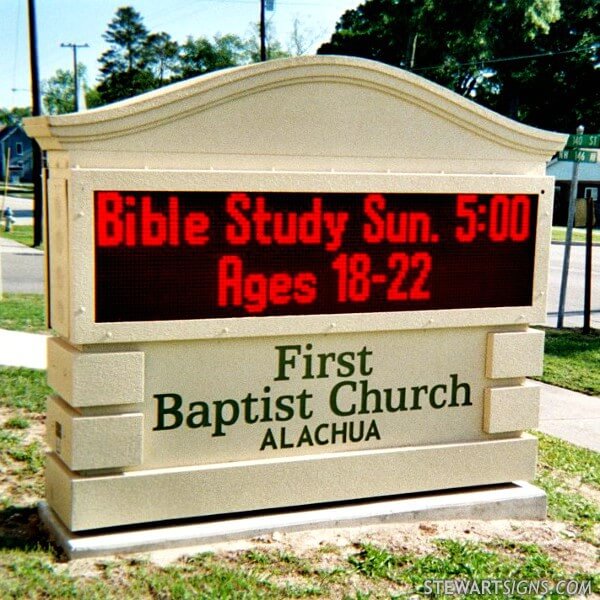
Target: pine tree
126, 65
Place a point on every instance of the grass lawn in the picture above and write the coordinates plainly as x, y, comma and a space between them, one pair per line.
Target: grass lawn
572, 360
20, 233
23, 312
579, 234
391, 561
18, 190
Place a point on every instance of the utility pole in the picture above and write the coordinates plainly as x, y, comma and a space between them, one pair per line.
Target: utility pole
36, 110
75, 78
587, 294
270, 6
263, 49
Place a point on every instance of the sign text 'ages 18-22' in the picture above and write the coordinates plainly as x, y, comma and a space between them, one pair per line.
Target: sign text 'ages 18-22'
201, 255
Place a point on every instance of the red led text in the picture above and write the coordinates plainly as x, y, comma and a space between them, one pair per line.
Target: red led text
396, 227
252, 221
505, 218
125, 220
255, 291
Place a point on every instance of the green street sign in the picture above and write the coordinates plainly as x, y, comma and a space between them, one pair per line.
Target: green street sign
584, 140
578, 156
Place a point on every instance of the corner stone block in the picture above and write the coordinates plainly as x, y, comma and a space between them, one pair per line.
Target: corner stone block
518, 354
85, 379
511, 408
87, 443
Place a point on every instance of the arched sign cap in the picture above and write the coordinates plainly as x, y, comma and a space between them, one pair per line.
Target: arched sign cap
306, 113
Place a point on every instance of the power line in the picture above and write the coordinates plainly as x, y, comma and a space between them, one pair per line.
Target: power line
486, 61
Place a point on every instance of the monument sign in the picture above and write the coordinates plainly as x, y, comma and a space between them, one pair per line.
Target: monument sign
299, 282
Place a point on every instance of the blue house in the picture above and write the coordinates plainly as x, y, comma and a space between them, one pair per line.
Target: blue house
14, 138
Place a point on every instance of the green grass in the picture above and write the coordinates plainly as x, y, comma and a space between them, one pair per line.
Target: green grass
572, 360
579, 234
25, 389
565, 505
19, 233
21, 465
35, 573
568, 460
29, 455
453, 560
463, 561
23, 312
561, 471
17, 422
23, 392
17, 190
32, 574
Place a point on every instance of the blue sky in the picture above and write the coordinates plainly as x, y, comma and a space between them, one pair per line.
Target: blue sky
84, 21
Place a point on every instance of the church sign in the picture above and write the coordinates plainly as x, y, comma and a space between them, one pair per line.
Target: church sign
328, 300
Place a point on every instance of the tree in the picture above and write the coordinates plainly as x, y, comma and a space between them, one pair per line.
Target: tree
58, 91
93, 98
557, 90
125, 66
199, 56
231, 51
470, 46
162, 56
138, 61
272, 45
14, 116
377, 29
301, 38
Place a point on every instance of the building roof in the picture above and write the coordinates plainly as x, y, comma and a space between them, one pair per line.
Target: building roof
7, 130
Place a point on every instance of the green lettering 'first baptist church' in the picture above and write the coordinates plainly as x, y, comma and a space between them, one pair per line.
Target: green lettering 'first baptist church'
347, 398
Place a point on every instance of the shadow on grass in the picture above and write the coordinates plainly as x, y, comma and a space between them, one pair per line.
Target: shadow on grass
22, 529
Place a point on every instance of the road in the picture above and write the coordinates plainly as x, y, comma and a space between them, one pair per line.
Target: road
22, 268
22, 209
575, 287
23, 271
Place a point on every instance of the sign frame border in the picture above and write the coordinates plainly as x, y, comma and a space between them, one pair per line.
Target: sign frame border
79, 297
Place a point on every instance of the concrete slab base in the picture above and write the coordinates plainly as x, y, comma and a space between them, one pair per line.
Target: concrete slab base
518, 500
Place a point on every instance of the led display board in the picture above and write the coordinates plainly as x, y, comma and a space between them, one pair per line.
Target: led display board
205, 255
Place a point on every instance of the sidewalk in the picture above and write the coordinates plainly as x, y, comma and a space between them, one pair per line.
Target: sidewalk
21, 268
8, 246
20, 349
571, 416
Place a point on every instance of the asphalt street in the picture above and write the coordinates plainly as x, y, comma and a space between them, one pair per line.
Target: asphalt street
23, 272
22, 268
575, 285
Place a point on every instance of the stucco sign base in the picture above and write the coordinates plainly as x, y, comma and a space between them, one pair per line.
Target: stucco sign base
355, 317
518, 500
